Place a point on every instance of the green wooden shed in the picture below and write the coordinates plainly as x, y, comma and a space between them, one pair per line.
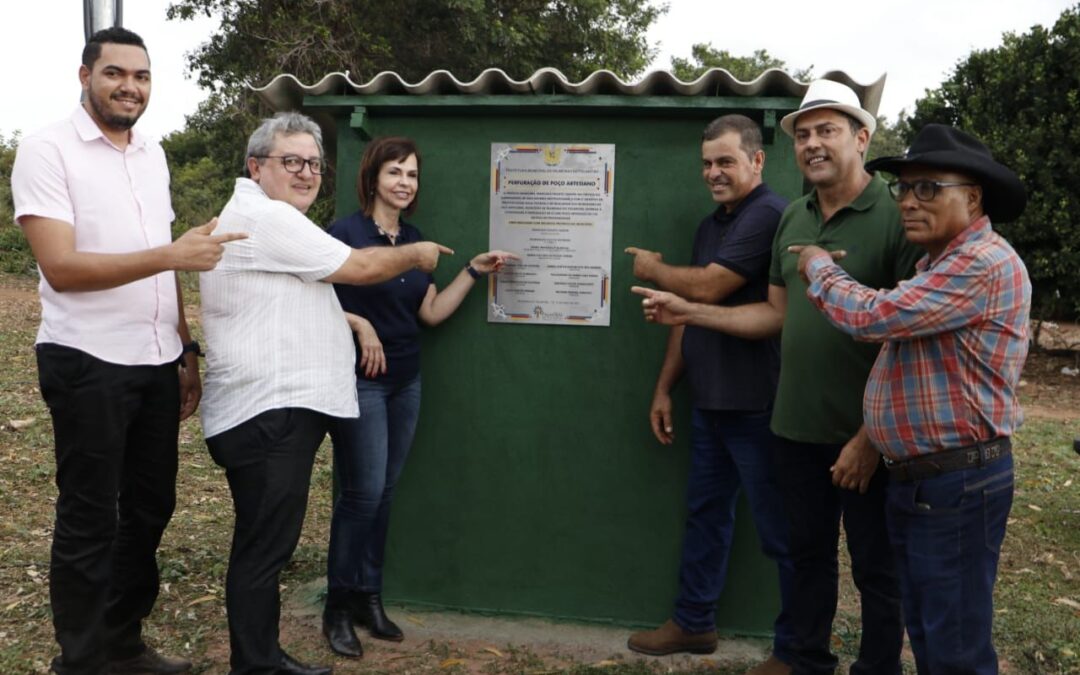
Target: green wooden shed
535, 486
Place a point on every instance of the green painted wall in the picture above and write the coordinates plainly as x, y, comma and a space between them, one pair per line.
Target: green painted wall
535, 485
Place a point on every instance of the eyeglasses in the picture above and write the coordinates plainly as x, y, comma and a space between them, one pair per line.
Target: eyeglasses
925, 190
295, 164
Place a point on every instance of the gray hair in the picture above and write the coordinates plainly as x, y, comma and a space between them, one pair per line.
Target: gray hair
261, 141
749, 132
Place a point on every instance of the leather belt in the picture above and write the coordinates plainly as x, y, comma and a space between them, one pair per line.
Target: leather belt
935, 464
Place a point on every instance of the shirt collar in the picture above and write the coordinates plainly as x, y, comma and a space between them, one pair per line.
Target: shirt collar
248, 186
864, 202
88, 130
978, 229
371, 231
723, 215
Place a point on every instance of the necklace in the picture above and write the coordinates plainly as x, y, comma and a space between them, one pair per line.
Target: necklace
392, 237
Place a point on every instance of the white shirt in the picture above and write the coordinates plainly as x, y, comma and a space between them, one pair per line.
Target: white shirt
276, 336
117, 201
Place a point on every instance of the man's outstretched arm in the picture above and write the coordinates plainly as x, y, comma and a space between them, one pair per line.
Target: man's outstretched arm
753, 321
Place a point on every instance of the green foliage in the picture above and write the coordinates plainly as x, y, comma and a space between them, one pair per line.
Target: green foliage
259, 39
199, 189
1023, 100
7, 160
15, 254
890, 139
744, 68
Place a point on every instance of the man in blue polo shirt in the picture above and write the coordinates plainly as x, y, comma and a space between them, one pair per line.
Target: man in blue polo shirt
733, 383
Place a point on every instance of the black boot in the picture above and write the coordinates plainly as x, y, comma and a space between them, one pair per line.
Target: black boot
290, 666
368, 612
337, 627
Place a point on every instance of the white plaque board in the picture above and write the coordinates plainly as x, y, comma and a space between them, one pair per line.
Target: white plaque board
551, 203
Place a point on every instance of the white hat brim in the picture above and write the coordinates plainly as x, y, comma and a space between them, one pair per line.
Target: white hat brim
787, 123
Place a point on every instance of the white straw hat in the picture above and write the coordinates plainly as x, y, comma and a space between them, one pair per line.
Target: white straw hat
829, 94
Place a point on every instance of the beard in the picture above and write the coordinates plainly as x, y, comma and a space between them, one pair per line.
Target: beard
113, 120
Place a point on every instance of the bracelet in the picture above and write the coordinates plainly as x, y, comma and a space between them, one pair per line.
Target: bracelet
472, 271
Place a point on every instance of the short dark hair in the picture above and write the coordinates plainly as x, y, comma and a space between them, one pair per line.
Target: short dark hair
749, 132
853, 122
378, 152
115, 35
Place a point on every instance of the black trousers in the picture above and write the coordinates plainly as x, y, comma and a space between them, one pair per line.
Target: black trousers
267, 461
814, 507
115, 429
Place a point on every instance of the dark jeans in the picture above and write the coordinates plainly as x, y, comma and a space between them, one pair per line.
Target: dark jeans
267, 461
947, 533
115, 429
369, 454
730, 450
814, 507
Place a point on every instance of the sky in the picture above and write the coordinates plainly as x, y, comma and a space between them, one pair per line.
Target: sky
916, 44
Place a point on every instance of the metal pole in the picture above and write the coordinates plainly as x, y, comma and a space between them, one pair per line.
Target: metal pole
100, 14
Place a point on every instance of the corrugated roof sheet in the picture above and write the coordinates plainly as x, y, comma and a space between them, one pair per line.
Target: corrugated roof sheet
285, 92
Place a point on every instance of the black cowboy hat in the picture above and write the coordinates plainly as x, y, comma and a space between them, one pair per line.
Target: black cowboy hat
943, 147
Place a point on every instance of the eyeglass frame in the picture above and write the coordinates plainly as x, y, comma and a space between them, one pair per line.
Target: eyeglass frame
304, 162
904, 187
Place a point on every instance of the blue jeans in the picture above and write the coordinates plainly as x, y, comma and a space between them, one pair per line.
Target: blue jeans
946, 533
369, 454
730, 449
814, 508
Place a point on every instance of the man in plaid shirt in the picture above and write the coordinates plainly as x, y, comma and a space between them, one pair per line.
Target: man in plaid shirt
940, 403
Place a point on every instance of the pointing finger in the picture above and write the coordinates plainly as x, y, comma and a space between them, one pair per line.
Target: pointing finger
231, 236
445, 249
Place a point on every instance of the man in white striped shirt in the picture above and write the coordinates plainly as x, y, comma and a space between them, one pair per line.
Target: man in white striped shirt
279, 366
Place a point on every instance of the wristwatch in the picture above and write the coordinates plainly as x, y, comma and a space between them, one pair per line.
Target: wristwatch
192, 348
473, 272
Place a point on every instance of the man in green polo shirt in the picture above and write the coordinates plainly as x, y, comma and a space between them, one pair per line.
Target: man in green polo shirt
825, 465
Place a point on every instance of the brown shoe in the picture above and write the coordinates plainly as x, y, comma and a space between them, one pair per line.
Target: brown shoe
149, 663
672, 639
770, 666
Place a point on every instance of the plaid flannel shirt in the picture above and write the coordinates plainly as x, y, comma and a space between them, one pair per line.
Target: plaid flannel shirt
955, 334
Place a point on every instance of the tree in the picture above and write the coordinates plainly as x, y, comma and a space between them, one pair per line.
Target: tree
259, 39
1023, 100
207, 156
890, 139
7, 161
744, 68
15, 254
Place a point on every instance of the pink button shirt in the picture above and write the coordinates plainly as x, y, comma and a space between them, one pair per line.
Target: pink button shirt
118, 202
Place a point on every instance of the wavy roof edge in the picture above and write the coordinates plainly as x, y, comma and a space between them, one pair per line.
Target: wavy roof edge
286, 92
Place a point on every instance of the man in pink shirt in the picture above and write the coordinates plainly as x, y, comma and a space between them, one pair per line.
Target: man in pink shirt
92, 197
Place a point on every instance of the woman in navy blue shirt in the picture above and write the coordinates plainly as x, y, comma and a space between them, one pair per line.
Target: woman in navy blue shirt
370, 452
